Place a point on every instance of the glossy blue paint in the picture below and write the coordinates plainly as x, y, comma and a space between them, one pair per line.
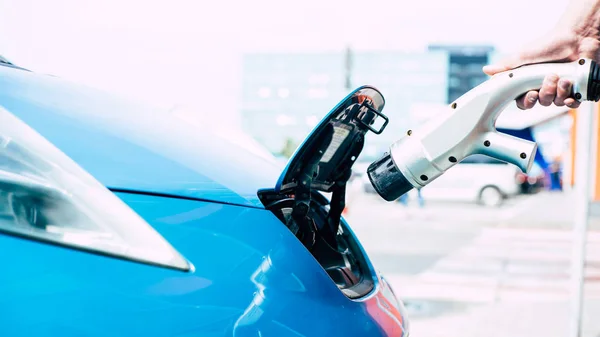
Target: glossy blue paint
250, 273
130, 146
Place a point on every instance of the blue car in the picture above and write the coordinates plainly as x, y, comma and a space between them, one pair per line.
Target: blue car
118, 219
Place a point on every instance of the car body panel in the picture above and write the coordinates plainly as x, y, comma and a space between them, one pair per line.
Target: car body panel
250, 274
129, 146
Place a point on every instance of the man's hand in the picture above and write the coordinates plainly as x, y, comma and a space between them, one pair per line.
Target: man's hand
565, 47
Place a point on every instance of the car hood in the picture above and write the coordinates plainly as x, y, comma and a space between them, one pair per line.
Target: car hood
128, 146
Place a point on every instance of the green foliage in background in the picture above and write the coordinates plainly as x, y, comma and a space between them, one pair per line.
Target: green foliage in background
289, 147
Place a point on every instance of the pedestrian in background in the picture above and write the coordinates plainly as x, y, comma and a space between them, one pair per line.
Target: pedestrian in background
404, 199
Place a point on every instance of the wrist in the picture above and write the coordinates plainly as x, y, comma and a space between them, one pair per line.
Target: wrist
586, 29
583, 22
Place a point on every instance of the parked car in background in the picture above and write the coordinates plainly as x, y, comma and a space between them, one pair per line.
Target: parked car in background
359, 172
477, 178
118, 219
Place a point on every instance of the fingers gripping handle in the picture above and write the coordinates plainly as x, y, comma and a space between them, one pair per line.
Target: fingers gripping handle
584, 74
514, 150
469, 127
504, 87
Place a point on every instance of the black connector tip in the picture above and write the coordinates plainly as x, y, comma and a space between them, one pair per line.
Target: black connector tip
387, 180
593, 88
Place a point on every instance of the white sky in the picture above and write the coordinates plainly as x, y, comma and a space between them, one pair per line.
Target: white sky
169, 51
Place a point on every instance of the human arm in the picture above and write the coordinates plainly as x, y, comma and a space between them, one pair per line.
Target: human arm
577, 35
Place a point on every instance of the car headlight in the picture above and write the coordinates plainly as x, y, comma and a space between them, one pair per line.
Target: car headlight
46, 196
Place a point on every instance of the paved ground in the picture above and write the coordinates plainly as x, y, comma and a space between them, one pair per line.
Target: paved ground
465, 270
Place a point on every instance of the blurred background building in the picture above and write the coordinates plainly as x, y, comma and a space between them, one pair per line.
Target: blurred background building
285, 94
464, 67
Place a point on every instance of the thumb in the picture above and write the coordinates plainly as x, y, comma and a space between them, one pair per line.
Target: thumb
550, 49
523, 59
534, 55
501, 66
531, 56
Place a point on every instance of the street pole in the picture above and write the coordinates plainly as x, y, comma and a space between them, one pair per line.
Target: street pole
348, 65
581, 194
